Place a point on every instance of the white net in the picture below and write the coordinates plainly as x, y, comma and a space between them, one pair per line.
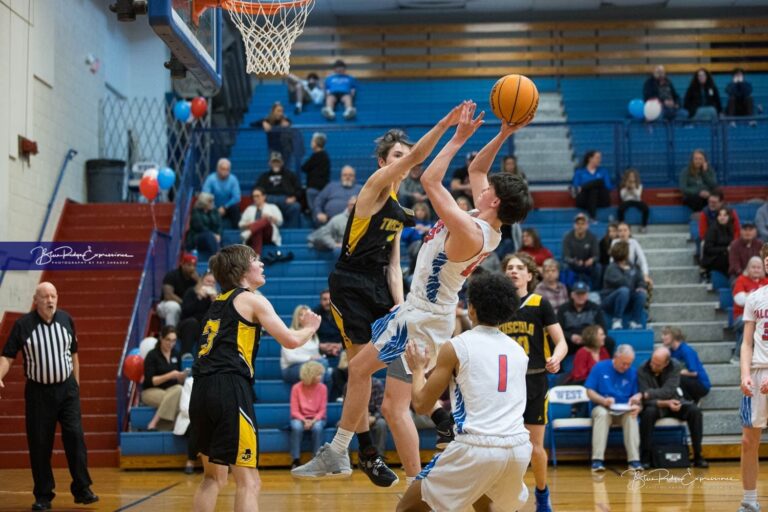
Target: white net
269, 30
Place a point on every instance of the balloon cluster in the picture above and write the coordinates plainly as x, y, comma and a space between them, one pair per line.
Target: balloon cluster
133, 366
649, 110
184, 110
155, 180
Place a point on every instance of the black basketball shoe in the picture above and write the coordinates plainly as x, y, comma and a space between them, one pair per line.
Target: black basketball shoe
373, 465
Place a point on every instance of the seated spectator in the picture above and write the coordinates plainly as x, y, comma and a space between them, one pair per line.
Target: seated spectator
464, 203
761, 222
302, 92
658, 380
739, 91
581, 252
592, 351
204, 233
194, 306
715, 201
697, 181
411, 191
334, 197
659, 87
163, 379
309, 409
460, 178
532, 245
611, 234
328, 333
624, 290
550, 286
225, 188
292, 360
636, 253
743, 249
694, 381
579, 313
376, 422
317, 168
175, 285
749, 281
283, 188
340, 87
702, 99
719, 237
412, 236
612, 383
330, 235
509, 165
260, 222
592, 184
631, 192
275, 119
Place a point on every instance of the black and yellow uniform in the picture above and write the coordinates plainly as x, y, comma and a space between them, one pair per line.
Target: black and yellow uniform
359, 290
528, 328
223, 424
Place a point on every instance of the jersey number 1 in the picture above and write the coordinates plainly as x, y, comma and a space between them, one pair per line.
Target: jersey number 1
502, 373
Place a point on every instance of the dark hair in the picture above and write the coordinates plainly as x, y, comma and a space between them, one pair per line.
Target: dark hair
313, 76
589, 335
504, 163
386, 142
534, 236
718, 192
588, 156
326, 290
630, 171
709, 84
165, 331
515, 199
494, 298
620, 251
260, 189
530, 265
692, 168
614, 225
230, 264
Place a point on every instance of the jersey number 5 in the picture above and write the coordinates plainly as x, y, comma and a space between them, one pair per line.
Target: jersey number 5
210, 331
502, 373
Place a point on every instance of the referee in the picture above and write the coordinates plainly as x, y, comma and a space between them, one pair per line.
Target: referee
49, 344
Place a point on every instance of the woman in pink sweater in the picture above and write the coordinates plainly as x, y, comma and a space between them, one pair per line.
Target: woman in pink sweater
309, 407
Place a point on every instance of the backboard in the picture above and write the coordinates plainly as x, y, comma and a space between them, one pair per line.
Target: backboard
196, 45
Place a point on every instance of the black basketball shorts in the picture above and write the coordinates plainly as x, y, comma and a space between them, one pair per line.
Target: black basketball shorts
358, 300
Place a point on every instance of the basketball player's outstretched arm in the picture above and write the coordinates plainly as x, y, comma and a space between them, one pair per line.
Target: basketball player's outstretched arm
561, 347
481, 165
263, 312
425, 392
746, 358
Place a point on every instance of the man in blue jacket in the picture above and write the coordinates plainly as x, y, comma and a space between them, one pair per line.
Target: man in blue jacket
225, 188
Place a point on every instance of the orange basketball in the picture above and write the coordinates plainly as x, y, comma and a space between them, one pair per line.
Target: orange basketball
514, 98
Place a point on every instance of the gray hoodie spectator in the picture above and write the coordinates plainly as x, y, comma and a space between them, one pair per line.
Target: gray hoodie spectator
333, 199
330, 235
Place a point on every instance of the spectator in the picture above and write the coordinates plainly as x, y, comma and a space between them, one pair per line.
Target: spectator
715, 201
302, 92
694, 381
309, 409
275, 119
592, 351
163, 379
225, 188
333, 199
340, 87
317, 168
330, 235
611, 234
659, 87
550, 286
743, 249
328, 333
702, 99
464, 203
260, 222
592, 184
194, 306
579, 313
411, 191
292, 360
719, 238
283, 188
175, 285
532, 245
636, 253
460, 178
739, 91
658, 381
204, 233
750, 280
412, 236
631, 192
509, 165
581, 252
623, 289
612, 388
376, 422
697, 181
761, 222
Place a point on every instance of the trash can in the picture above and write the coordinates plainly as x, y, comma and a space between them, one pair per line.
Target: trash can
105, 180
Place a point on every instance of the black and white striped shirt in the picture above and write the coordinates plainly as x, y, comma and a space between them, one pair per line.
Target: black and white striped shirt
47, 347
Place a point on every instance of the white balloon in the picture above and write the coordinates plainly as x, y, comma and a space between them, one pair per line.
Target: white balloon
150, 172
652, 110
146, 345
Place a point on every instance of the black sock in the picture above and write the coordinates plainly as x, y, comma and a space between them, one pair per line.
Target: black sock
364, 441
440, 416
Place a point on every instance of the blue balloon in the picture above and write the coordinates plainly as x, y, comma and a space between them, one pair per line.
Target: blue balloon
636, 107
134, 352
182, 110
166, 178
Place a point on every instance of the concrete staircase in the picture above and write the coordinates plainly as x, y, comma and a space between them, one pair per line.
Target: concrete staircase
544, 152
679, 300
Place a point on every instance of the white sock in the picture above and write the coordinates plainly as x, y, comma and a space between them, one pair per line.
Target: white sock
298, 104
750, 497
409, 480
341, 440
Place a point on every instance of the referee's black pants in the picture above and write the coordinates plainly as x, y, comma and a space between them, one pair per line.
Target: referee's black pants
45, 405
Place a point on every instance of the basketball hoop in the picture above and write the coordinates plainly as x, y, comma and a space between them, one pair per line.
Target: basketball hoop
269, 29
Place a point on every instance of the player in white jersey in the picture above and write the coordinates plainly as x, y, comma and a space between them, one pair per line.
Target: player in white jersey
754, 385
451, 251
486, 373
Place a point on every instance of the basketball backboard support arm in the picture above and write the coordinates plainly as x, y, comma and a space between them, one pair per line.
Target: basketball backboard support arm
204, 64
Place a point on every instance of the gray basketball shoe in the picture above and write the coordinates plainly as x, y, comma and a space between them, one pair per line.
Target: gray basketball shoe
325, 465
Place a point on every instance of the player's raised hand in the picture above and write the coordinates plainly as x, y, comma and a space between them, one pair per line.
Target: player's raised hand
508, 129
310, 319
453, 116
468, 123
746, 385
416, 357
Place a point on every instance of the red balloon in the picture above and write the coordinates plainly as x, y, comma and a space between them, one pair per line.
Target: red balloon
133, 368
199, 106
148, 187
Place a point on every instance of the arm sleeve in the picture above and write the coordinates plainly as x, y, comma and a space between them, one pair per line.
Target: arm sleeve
208, 184
736, 224
295, 398
150, 370
275, 212
548, 315
685, 187
594, 247
323, 412
607, 179
295, 183
73, 348
749, 309
648, 90
579, 371
613, 278
740, 298
235, 191
320, 201
703, 225
14, 342
641, 259
668, 390
567, 253
592, 379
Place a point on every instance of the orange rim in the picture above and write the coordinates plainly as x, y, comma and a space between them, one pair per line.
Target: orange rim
252, 8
